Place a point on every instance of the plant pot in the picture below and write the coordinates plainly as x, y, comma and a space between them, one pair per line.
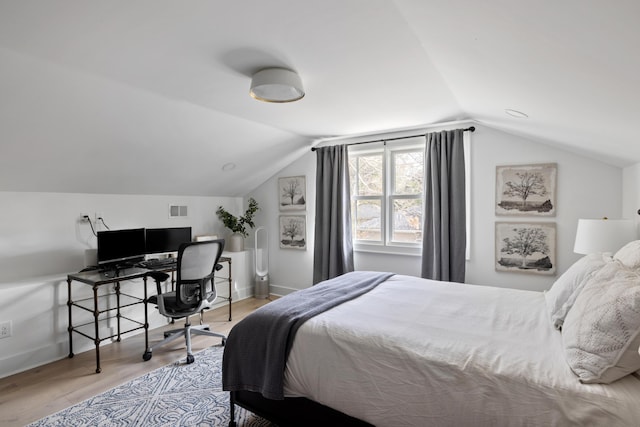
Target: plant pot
235, 243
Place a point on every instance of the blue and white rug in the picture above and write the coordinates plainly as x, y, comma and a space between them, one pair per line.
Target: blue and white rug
174, 395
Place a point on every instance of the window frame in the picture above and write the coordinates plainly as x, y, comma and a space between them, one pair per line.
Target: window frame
389, 150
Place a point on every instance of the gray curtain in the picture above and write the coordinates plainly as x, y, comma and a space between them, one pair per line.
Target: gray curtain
333, 247
444, 240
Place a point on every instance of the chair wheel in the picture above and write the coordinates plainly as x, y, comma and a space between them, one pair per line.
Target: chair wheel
146, 356
224, 341
190, 359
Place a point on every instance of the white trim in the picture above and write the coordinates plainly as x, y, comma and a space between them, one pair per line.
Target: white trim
389, 151
466, 139
388, 250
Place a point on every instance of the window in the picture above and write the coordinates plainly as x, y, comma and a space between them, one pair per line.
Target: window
386, 195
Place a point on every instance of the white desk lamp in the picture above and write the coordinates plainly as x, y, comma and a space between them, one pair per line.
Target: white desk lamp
603, 235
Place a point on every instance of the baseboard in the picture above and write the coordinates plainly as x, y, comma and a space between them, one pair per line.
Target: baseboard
17, 363
281, 290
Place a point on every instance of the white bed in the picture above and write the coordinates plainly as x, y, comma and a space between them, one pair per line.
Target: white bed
415, 352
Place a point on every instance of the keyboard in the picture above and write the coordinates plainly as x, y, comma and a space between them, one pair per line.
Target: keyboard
158, 263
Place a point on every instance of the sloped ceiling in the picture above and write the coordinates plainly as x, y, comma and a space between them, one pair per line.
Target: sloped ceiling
151, 96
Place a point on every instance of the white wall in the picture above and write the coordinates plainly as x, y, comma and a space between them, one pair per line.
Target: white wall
289, 269
41, 241
631, 193
587, 188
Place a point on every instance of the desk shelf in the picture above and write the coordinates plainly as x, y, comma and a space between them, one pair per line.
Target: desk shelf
127, 325
126, 300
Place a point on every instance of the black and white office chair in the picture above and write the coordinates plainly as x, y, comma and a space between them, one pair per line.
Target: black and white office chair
194, 292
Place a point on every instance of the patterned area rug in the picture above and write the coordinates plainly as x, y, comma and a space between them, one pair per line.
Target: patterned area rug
174, 395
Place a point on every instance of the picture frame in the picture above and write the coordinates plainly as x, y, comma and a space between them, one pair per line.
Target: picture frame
292, 232
526, 247
526, 189
292, 193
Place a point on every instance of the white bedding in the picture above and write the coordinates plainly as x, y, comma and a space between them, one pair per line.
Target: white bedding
415, 352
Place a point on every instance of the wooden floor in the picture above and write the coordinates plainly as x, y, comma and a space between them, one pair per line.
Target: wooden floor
31, 395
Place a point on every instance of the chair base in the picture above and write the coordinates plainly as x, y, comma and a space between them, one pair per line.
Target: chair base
185, 332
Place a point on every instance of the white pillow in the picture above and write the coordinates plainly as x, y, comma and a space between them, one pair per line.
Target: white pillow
629, 254
601, 333
563, 292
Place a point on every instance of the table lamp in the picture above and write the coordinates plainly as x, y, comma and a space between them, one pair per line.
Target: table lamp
603, 235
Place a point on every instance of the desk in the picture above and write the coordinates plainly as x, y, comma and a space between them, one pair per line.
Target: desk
96, 279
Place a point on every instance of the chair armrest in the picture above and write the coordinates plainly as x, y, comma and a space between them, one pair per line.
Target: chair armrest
159, 277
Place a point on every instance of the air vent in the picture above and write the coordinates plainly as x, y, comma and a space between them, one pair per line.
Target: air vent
177, 211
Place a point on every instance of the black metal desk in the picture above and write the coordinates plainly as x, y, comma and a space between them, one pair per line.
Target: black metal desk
92, 304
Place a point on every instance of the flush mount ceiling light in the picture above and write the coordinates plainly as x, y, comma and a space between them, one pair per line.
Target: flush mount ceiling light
515, 113
276, 85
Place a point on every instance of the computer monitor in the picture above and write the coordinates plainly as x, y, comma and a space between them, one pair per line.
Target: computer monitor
117, 246
163, 240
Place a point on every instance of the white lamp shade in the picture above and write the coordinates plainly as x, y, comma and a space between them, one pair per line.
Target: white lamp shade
276, 85
603, 235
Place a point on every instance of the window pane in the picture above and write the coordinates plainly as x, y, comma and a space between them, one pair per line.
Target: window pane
367, 220
409, 170
407, 221
365, 173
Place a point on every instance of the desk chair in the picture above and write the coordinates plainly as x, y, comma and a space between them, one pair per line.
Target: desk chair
196, 267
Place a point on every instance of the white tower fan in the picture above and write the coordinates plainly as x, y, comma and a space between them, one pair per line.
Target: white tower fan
262, 263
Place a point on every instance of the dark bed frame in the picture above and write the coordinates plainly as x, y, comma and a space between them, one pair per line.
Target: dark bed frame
292, 411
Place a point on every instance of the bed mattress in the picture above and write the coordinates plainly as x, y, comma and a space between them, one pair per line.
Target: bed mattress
416, 352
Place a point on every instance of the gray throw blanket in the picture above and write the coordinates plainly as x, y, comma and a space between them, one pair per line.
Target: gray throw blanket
258, 346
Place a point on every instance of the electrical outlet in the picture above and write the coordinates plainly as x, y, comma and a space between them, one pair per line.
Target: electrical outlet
84, 217
5, 329
98, 216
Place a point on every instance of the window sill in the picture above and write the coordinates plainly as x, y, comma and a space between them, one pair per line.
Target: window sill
388, 250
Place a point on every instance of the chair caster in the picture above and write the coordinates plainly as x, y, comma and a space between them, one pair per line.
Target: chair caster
146, 356
224, 341
190, 359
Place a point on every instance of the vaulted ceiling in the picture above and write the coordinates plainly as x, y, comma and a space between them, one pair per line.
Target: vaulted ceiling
151, 96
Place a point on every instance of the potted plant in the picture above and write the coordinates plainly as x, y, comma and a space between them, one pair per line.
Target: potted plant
238, 225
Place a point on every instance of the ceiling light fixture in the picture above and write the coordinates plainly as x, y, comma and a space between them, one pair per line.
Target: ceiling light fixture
515, 113
276, 85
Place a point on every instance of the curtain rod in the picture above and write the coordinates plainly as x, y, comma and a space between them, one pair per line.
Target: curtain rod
469, 129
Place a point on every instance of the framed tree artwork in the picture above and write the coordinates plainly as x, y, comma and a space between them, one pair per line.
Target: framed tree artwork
293, 233
526, 247
526, 190
292, 193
